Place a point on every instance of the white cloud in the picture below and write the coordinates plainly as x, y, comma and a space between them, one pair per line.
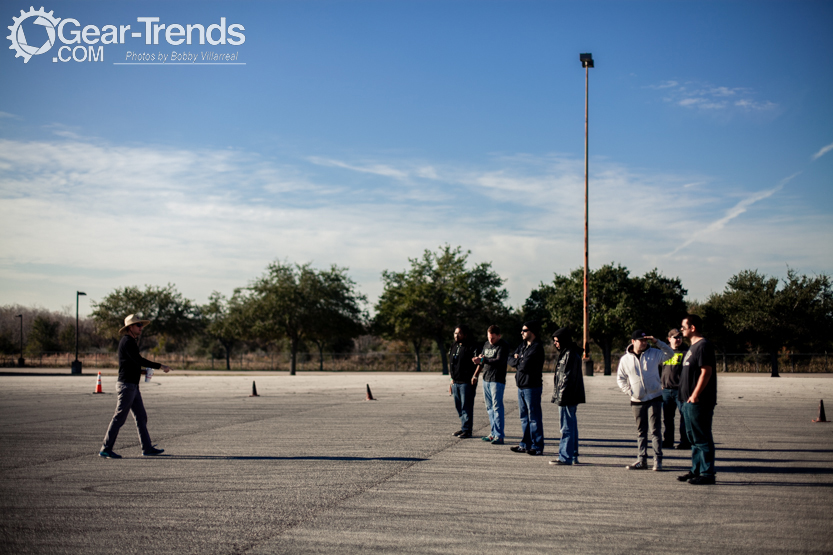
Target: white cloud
705, 97
824, 150
99, 216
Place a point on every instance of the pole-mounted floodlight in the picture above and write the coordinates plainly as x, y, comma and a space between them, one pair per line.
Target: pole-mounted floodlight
586, 63
76, 364
21, 361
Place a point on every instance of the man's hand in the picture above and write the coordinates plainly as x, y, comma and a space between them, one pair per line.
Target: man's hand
165, 369
694, 398
449, 390
516, 355
474, 380
477, 360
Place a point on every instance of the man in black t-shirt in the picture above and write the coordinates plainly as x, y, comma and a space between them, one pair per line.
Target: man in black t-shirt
698, 392
671, 402
492, 361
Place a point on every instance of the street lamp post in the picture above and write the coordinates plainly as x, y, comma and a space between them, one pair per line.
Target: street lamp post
76, 364
21, 362
587, 362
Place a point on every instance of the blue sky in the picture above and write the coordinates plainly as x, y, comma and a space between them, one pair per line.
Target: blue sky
362, 133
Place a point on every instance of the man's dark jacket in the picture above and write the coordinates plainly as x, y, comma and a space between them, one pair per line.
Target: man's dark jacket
568, 389
462, 367
529, 366
131, 362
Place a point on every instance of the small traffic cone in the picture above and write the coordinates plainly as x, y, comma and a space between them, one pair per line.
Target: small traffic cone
98, 385
369, 396
821, 417
254, 390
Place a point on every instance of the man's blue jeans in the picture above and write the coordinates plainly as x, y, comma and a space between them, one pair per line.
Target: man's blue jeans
568, 445
532, 421
698, 423
464, 403
670, 405
493, 396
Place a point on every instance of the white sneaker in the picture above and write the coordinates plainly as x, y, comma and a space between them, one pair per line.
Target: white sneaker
657, 465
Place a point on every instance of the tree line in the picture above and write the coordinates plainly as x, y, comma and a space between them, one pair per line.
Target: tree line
306, 310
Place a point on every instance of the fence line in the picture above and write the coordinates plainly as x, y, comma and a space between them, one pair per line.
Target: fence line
394, 362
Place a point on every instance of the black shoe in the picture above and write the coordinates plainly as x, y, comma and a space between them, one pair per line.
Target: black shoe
457, 433
152, 452
702, 480
517, 449
687, 476
638, 465
464, 435
534, 452
683, 446
108, 454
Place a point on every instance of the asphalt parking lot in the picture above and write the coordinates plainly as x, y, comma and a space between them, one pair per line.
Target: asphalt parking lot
310, 467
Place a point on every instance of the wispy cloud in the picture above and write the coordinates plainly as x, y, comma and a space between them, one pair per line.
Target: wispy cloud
104, 216
824, 150
709, 98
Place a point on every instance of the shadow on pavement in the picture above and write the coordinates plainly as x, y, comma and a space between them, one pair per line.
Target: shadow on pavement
308, 458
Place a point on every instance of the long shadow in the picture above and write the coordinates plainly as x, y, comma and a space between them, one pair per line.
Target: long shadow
772, 469
307, 458
778, 450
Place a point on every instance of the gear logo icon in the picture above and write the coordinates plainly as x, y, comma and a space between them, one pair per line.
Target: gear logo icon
18, 36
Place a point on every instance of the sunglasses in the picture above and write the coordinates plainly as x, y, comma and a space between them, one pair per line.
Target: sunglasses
140, 325
524, 331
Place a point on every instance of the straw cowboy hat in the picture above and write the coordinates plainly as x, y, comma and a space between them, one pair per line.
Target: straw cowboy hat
130, 320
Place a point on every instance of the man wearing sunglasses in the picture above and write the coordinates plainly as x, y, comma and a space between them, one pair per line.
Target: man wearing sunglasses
528, 362
131, 365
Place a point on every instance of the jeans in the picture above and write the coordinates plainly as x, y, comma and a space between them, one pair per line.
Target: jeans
464, 403
643, 414
670, 405
493, 396
698, 423
568, 446
532, 421
130, 399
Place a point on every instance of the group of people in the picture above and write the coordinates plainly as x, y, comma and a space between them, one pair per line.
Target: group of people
660, 381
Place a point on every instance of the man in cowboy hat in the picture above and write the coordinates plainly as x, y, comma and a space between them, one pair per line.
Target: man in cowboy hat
131, 366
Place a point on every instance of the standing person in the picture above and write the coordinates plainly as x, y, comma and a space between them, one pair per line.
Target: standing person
698, 391
492, 361
131, 366
528, 362
567, 393
671, 401
463, 380
639, 377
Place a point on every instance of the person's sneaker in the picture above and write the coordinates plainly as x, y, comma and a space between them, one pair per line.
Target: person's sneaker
687, 476
487, 438
638, 465
657, 465
464, 435
683, 446
497, 441
152, 452
534, 452
108, 454
702, 480
575, 460
457, 433
560, 462
517, 449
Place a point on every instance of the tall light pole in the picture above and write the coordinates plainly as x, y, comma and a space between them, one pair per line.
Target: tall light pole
76, 364
586, 63
21, 361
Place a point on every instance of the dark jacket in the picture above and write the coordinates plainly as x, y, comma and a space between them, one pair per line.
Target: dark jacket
529, 366
131, 362
568, 389
462, 367
495, 358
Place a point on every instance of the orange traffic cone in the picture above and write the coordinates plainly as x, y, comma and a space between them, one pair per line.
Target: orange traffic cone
369, 396
98, 385
254, 390
821, 417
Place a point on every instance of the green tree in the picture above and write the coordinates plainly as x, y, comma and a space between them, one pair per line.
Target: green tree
223, 321
617, 304
297, 302
174, 319
43, 337
798, 315
438, 292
